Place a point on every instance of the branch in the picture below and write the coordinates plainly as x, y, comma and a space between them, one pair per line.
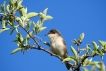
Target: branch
78, 52
85, 57
41, 48
47, 51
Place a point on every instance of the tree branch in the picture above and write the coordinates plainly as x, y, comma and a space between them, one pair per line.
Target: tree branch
47, 51
41, 48
85, 57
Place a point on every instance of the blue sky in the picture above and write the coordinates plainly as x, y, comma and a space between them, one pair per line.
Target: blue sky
71, 18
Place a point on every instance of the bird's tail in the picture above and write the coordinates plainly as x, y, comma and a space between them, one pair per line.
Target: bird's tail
68, 66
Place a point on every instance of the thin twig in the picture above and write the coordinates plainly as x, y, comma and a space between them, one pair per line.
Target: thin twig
78, 52
81, 62
47, 51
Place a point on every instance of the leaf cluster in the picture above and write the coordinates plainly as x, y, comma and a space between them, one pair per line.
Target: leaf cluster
88, 51
11, 22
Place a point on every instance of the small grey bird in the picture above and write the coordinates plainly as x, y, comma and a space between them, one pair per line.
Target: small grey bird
58, 45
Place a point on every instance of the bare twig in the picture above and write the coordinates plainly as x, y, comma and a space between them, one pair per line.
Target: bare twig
78, 52
47, 51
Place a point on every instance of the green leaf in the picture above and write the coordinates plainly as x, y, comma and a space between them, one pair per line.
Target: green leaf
74, 59
20, 2
42, 17
23, 18
93, 68
103, 43
20, 7
4, 5
93, 53
17, 30
42, 28
23, 11
12, 31
74, 52
19, 37
13, 20
69, 59
66, 59
2, 8
48, 17
86, 62
94, 63
88, 47
32, 14
27, 41
35, 28
34, 24
75, 42
16, 6
28, 24
46, 43
16, 50
8, 10
3, 24
31, 33
39, 24
28, 37
85, 69
2, 30
81, 38
95, 45
99, 52
98, 66
11, 3
45, 11
20, 21
102, 66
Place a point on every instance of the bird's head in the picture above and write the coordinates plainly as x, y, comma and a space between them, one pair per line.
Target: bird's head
53, 33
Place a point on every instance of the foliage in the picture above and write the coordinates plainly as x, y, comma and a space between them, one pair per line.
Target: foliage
88, 52
11, 22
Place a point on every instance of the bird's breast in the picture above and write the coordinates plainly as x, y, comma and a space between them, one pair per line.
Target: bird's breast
57, 47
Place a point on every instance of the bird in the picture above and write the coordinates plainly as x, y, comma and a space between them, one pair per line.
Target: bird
58, 45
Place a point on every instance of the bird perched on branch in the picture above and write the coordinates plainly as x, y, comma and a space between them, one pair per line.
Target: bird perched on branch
58, 45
